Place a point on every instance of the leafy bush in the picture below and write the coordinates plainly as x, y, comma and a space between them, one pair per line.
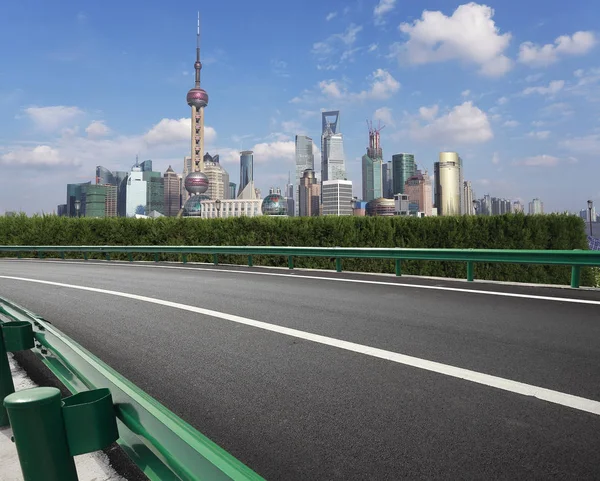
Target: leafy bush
514, 231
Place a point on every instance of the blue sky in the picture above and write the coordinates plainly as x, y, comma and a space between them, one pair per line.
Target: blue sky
513, 86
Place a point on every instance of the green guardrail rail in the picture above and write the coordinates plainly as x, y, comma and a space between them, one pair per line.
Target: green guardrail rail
576, 259
160, 443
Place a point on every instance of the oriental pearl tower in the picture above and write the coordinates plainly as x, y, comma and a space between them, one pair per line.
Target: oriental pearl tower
196, 182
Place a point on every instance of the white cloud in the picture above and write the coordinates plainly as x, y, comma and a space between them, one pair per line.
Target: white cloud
169, 131
555, 109
578, 73
469, 35
496, 158
97, 129
502, 100
534, 77
540, 56
553, 87
464, 124
53, 118
331, 16
385, 115
372, 47
511, 123
381, 9
39, 156
383, 86
540, 161
587, 145
428, 113
465, 93
292, 127
336, 48
539, 134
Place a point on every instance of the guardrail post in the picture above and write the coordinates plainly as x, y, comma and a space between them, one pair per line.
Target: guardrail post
250, 261
18, 255
398, 267
37, 421
575, 276
216, 259
62, 255
184, 258
130, 256
6, 383
470, 271
291, 262
40, 254
338, 264
156, 257
108, 256
85, 256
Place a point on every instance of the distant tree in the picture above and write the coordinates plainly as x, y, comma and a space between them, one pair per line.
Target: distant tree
140, 209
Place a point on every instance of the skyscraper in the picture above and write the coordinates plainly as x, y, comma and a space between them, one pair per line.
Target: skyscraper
337, 197
372, 163
305, 159
332, 148
467, 200
418, 189
246, 169
196, 182
309, 194
536, 206
448, 191
403, 167
387, 180
136, 192
216, 177
172, 191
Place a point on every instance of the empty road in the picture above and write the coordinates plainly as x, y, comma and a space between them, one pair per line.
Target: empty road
306, 375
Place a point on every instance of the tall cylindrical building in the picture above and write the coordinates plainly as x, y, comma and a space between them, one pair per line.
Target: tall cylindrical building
246, 169
448, 184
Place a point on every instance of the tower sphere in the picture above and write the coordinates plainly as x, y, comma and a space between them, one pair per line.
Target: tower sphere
197, 97
196, 183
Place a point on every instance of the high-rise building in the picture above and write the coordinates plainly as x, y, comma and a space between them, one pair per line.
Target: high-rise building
104, 176
95, 201
75, 193
119, 180
137, 191
517, 207
146, 166
448, 191
588, 216
246, 169
217, 176
332, 148
232, 189
196, 182
337, 197
468, 197
387, 180
155, 195
536, 206
418, 189
309, 194
290, 197
172, 191
403, 167
305, 159
110, 205
372, 163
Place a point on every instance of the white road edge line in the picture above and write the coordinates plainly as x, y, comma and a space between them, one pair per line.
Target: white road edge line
556, 397
337, 279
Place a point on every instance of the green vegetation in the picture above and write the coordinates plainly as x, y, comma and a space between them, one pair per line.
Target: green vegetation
496, 232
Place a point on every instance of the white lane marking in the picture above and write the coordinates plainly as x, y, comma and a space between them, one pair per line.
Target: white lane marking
556, 397
338, 279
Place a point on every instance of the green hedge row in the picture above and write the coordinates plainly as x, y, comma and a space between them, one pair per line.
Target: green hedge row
480, 232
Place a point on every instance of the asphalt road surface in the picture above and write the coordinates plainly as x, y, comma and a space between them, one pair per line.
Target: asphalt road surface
300, 375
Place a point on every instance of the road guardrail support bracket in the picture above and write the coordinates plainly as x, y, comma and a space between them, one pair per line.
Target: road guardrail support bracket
575, 276
291, 262
398, 267
250, 261
470, 271
338, 264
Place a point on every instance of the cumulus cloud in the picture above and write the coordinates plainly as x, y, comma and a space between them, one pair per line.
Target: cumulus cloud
428, 113
464, 124
511, 123
383, 86
331, 16
169, 131
381, 9
502, 100
469, 35
39, 156
540, 56
384, 114
587, 145
553, 87
97, 129
53, 118
496, 158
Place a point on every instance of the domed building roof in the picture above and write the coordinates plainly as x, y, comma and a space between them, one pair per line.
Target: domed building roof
381, 207
197, 97
193, 207
274, 204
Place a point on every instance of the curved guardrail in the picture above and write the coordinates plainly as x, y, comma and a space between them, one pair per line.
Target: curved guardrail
574, 258
163, 445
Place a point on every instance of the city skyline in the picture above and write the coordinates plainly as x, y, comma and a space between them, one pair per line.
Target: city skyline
523, 132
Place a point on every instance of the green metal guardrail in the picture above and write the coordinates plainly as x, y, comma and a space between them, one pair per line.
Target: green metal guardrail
163, 445
575, 258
